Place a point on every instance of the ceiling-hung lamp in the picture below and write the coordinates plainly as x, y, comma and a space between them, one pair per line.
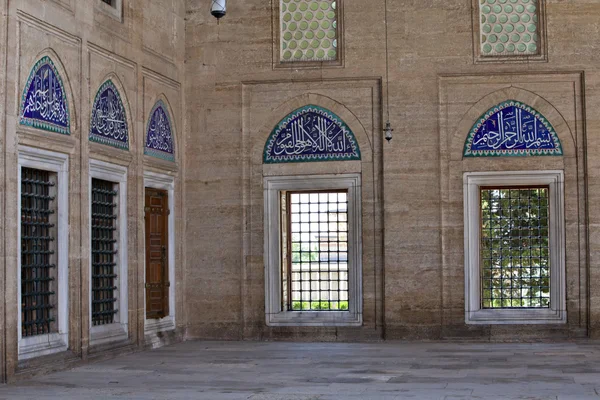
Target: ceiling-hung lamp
219, 8
387, 131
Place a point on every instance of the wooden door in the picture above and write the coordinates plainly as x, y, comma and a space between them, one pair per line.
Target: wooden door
157, 251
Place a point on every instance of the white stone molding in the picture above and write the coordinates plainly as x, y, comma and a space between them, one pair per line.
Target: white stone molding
275, 316
117, 331
474, 313
58, 163
153, 326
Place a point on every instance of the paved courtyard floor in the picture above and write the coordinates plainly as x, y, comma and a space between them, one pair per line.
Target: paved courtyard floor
321, 371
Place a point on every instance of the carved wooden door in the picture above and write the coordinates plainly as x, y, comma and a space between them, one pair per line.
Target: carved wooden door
157, 260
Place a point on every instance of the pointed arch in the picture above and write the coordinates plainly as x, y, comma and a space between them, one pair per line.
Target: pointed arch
311, 133
512, 128
44, 103
109, 122
160, 134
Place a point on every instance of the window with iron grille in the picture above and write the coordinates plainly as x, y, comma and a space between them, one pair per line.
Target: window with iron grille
515, 271
104, 252
514, 247
313, 257
315, 231
38, 252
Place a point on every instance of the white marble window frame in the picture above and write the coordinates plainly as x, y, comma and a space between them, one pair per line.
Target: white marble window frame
474, 313
58, 163
114, 11
117, 331
163, 182
275, 315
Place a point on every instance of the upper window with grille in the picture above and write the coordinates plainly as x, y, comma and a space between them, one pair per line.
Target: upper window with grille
112, 8
514, 255
309, 32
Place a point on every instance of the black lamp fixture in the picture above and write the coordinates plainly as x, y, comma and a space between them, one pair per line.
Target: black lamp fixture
219, 8
387, 131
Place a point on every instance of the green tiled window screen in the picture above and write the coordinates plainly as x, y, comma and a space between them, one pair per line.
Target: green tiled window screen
515, 270
308, 30
509, 27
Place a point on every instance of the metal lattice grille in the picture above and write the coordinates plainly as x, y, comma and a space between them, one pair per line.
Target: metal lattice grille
515, 248
103, 252
317, 250
38, 271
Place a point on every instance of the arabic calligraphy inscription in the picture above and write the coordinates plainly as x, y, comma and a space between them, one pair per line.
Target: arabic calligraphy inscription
311, 133
109, 120
159, 137
44, 103
512, 129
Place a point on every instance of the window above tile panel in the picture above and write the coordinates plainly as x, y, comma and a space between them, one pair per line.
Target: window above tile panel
509, 30
308, 33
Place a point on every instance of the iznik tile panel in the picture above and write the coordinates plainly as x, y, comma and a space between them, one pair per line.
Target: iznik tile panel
509, 27
512, 129
308, 30
159, 135
311, 133
44, 103
109, 119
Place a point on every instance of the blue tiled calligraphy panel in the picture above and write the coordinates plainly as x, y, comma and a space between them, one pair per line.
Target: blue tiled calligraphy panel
311, 133
159, 137
512, 129
109, 119
44, 102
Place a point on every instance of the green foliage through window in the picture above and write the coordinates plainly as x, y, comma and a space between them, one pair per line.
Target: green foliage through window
514, 254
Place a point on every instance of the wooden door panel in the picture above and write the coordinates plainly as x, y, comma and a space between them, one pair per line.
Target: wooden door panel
157, 268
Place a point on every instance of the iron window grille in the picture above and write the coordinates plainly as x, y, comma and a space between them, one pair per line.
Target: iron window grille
38, 260
104, 251
315, 256
515, 260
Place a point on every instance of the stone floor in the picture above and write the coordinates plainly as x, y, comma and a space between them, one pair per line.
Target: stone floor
303, 371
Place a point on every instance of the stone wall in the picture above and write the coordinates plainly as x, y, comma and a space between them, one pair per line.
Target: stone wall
141, 51
438, 83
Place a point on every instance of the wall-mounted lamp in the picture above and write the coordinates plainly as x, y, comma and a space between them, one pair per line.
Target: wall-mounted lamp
388, 131
219, 8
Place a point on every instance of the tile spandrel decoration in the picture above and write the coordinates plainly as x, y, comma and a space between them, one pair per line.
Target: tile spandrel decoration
109, 119
308, 30
512, 129
311, 133
509, 27
159, 136
44, 103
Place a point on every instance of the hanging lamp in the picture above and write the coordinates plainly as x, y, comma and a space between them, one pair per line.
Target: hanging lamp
219, 8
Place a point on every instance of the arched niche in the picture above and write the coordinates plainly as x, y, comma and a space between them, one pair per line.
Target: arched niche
160, 135
45, 99
109, 120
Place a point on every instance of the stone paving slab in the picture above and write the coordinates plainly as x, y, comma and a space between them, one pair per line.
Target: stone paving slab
327, 371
